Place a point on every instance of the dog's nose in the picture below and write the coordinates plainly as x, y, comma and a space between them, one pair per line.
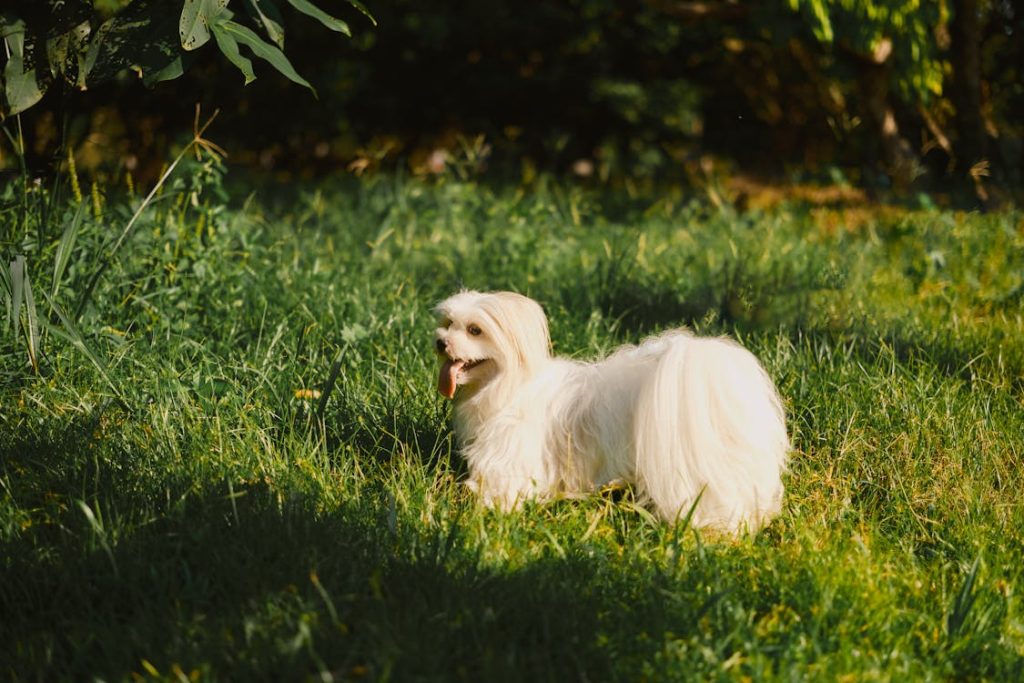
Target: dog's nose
442, 346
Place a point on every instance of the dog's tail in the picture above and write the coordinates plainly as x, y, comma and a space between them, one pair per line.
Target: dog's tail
710, 424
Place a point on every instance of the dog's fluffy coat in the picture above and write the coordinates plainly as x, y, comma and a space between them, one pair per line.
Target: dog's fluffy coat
680, 417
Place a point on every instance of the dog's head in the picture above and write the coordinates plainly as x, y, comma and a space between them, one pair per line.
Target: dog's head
487, 337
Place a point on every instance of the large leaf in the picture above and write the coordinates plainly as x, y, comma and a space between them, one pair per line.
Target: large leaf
229, 47
324, 18
265, 51
68, 53
143, 37
196, 18
269, 16
21, 86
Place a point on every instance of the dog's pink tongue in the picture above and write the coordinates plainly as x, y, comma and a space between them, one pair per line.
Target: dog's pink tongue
446, 381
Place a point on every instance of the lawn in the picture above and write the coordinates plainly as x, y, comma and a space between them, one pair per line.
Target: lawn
234, 464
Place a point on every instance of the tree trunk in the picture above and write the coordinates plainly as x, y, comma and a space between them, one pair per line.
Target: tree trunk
898, 158
965, 54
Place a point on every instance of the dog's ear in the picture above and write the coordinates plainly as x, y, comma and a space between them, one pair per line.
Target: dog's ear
523, 327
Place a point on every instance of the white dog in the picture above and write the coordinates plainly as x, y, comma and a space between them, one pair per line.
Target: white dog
684, 419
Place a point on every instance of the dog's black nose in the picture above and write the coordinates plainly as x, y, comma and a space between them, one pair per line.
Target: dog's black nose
442, 347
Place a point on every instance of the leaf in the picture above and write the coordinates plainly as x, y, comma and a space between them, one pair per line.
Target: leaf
324, 18
89, 53
963, 602
270, 17
6, 294
265, 51
195, 21
362, 8
14, 34
65, 247
21, 88
17, 287
57, 53
168, 73
10, 23
229, 47
31, 325
142, 37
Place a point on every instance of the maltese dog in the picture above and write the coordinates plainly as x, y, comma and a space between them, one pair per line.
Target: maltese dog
694, 424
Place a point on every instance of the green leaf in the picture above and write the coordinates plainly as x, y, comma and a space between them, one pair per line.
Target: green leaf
266, 11
195, 21
20, 87
57, 53
362, 8
31, 325
65, 247
144, 38
10, 23
89, 52
174, 69
265, 51
7, 290
229, 47
17, 271
14, 34
324, 18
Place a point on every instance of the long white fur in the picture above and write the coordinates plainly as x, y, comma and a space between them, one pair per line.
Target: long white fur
682, 418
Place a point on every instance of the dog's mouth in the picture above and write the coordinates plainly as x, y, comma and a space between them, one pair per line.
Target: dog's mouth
451, 370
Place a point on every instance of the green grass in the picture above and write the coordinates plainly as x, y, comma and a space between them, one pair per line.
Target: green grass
177, 506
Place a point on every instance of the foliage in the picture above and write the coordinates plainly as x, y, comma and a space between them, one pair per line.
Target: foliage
257, 480
901, 32
637, 89
76, 43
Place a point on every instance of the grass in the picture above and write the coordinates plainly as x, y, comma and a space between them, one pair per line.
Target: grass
242, 470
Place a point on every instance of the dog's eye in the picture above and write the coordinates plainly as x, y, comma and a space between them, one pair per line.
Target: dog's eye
446, 323
474, 330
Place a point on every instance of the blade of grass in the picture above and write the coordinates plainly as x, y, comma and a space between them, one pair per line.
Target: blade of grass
963, 602
332, 378
70, 333
8, 290
101, 534
65, 247
17, 289
31, 325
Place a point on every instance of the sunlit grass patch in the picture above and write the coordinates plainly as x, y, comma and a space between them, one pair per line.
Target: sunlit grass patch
256, 478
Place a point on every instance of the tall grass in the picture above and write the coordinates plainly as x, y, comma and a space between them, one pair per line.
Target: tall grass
239, 467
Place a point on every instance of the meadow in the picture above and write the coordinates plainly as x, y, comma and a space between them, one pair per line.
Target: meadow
223, 456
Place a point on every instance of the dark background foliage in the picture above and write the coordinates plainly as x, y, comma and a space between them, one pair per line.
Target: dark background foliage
640, 88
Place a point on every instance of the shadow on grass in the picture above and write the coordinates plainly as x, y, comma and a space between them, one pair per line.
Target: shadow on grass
251, 587
385, 430
735, 295
741, 302
260, 583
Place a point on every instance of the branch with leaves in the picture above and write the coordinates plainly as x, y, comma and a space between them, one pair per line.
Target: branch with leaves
46, 42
